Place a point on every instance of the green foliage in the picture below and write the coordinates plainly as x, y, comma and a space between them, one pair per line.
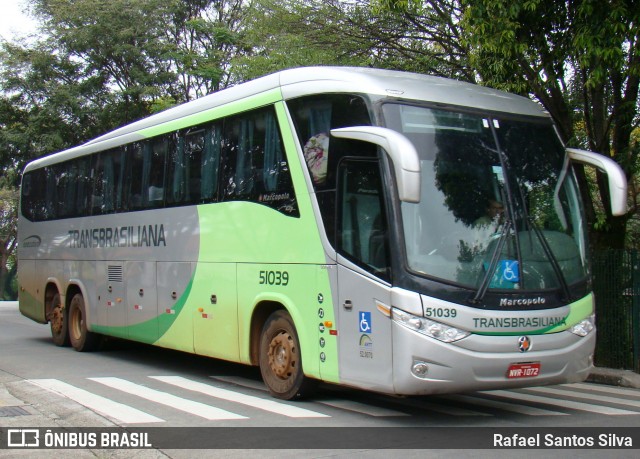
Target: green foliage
415, 36
8, 238
580, 60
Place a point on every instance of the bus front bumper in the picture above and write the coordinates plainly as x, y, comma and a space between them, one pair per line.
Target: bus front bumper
423, 365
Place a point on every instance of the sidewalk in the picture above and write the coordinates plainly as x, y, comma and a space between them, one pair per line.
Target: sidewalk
623, 378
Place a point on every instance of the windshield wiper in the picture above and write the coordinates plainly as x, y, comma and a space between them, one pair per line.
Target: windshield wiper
547, 250
495, 257
553, 260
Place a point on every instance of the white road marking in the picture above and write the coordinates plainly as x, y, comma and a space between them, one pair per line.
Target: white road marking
521, 409
562, 403
249, 400
118, 412
189, 406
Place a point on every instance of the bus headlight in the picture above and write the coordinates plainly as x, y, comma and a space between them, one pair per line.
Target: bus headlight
428, 327
584, 327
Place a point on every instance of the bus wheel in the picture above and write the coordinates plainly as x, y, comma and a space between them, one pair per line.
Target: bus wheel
81, 339
58, 315
280, 359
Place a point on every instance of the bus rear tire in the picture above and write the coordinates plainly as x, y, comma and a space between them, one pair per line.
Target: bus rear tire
58, 318
280, 358
81, 339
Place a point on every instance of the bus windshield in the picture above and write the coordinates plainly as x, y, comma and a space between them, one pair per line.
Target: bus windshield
499, 205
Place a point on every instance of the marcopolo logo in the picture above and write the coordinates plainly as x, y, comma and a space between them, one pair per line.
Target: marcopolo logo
522, 301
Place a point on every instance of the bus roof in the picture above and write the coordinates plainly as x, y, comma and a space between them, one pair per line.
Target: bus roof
318, 80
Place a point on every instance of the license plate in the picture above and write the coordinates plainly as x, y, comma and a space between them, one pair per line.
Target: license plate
523, 370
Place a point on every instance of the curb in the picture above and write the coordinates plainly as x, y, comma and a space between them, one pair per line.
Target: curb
613, 377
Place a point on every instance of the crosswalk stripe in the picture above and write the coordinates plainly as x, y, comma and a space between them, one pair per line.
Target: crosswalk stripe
582, 395
113, 410
242, 382
370, 410
562, 403
606, 389
199, 409
249, 400
521, 409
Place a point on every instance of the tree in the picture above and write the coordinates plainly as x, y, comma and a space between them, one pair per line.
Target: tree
291, 33
201, 39
581, 60
118, 43
8, 239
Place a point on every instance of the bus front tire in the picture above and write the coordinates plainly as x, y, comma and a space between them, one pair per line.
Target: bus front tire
280, 358
81, 339
58, 318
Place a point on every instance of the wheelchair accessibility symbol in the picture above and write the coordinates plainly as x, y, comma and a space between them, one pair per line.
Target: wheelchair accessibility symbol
365, 322
510, 270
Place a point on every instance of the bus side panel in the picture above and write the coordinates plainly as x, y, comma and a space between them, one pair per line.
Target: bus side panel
30, 294
304, 291
365, 331
142, 300
214, 310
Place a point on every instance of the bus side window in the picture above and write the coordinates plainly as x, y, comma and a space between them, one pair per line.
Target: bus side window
176, 178
184, 169
33, 195
135, 178
65, 177
241, 157
107, 182
210, 163
155, 153
255, 167
193, 149
83, 184
51, 200
362, 224
314, 117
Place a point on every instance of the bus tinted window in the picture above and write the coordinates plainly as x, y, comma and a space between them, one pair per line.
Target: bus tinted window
255, 166
314, 117
175, 169
33, 195
210, 163
108, 182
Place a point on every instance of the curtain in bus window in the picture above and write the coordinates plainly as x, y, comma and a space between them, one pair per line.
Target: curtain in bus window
107, 184
83, 184
244, 160
137, 172
52, 195
177, 194
155, 156
121, 171
320, 119
193, 151
273, 157
146, 173
210, 162
66, 176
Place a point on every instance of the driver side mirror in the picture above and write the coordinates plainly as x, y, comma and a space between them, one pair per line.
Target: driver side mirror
402, 152
615, 175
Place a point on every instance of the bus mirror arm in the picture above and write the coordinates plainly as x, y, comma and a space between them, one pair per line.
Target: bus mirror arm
615, 175
401, 151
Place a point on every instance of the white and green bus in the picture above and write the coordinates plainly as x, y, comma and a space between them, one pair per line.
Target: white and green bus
389, 231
